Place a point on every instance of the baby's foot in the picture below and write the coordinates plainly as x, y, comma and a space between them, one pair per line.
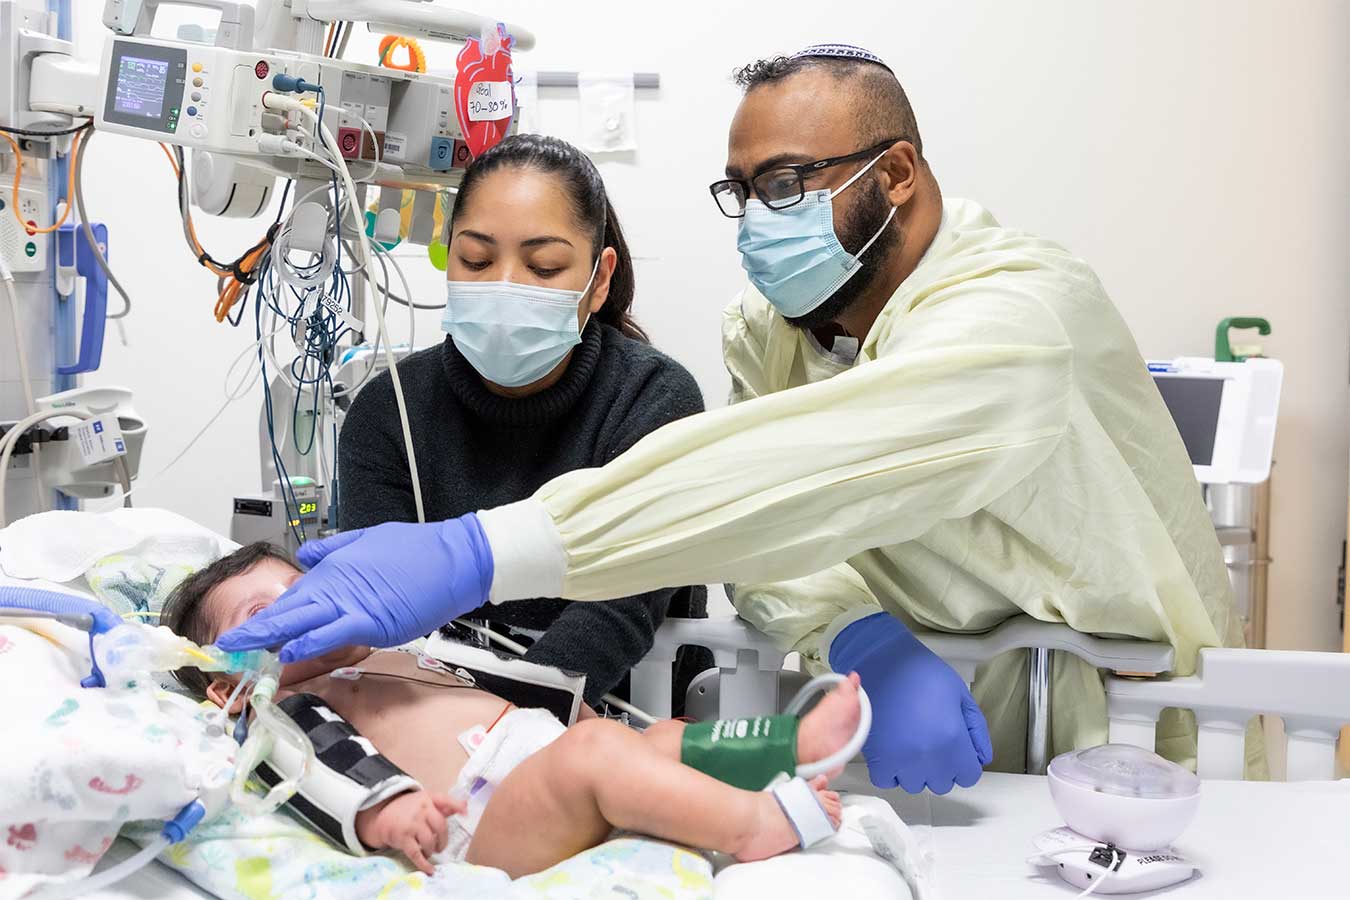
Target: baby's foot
830, 724
773, 833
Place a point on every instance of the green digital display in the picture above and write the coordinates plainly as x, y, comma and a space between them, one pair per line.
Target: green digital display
308, 509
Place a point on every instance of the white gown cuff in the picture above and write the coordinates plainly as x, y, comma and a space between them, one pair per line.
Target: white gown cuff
842, 621
528, 558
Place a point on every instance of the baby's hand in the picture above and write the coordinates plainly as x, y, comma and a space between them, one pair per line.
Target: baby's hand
412, 823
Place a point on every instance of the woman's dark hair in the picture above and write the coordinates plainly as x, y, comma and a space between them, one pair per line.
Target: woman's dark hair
185, 611
590, 204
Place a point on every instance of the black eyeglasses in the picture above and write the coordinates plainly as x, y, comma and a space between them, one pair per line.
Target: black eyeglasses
781, 186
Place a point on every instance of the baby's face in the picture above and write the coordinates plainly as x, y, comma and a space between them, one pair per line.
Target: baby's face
236, 599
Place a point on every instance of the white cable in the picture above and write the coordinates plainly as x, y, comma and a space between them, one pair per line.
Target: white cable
298, 150
520, 650
370, 369
325, 471
25, 377
277, 101
346, 36
88, 230
1117, 857
321, 269
387, 259
110, 875
123, 472
839, 758
364, 245
366, 127
1049, 857
279, 442
11, 440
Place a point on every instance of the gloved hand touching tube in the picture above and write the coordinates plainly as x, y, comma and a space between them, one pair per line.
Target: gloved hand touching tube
374, 587
927, 730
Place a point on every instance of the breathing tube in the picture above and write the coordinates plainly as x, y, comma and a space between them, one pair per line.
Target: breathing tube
119, 651
269, 727
85, 615
111, 875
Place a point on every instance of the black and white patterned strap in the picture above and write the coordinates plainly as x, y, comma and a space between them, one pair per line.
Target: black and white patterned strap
349, 774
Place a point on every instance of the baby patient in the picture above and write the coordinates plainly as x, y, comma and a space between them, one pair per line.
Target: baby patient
414, 758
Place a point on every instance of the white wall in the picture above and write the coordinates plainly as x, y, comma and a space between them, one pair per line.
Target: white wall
1193, 152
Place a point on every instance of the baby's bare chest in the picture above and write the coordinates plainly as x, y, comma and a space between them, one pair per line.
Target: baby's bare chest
411, 714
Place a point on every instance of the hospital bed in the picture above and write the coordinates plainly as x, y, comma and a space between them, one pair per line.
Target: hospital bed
978, 839
1250, 839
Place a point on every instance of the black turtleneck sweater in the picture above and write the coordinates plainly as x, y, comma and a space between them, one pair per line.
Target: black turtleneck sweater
476, 450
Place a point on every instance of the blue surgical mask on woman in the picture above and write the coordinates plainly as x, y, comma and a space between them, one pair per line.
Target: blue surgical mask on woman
513, 334
793, 256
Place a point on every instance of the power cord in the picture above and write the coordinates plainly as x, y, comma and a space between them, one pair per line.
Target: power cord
62, 132
1108, 856
88, 230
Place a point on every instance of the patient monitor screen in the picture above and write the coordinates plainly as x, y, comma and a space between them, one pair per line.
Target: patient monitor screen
1194, 404
145, 85
140, 86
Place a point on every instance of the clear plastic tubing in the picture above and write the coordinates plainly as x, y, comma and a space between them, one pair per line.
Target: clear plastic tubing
110, 875
270, 732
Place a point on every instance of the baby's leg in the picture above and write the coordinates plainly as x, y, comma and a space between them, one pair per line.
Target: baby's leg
600, 775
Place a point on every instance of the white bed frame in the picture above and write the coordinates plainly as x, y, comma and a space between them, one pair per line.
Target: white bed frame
1310, 691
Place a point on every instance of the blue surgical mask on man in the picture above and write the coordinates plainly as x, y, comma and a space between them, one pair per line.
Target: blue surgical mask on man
513, 334
793, 256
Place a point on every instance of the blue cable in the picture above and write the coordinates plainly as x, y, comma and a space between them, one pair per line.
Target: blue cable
288, 497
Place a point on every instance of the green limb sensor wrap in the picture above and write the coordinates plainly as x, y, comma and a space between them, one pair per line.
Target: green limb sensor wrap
744, 753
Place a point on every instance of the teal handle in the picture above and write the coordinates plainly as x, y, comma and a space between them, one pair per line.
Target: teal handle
1223, 350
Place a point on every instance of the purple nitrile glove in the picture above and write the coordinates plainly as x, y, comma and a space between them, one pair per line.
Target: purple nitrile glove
375, 587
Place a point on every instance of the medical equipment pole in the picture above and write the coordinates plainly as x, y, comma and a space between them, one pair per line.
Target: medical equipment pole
1039, 665
1345, 637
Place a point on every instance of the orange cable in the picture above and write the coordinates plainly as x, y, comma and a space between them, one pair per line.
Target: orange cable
18, 177
504, 711
229, 293
169, 153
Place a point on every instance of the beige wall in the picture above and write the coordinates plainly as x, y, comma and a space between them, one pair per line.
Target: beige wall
1194, 152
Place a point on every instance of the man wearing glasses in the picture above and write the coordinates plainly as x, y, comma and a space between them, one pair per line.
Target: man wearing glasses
936, 421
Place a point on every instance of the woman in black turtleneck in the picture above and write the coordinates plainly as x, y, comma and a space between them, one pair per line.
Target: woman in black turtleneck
530, 384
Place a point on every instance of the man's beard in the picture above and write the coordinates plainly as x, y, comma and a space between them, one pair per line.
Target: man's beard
857, 226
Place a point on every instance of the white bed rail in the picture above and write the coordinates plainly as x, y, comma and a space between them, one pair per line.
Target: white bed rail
749, 660
1310, 691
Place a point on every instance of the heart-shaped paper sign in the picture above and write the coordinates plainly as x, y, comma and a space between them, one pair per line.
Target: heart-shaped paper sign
485, 90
